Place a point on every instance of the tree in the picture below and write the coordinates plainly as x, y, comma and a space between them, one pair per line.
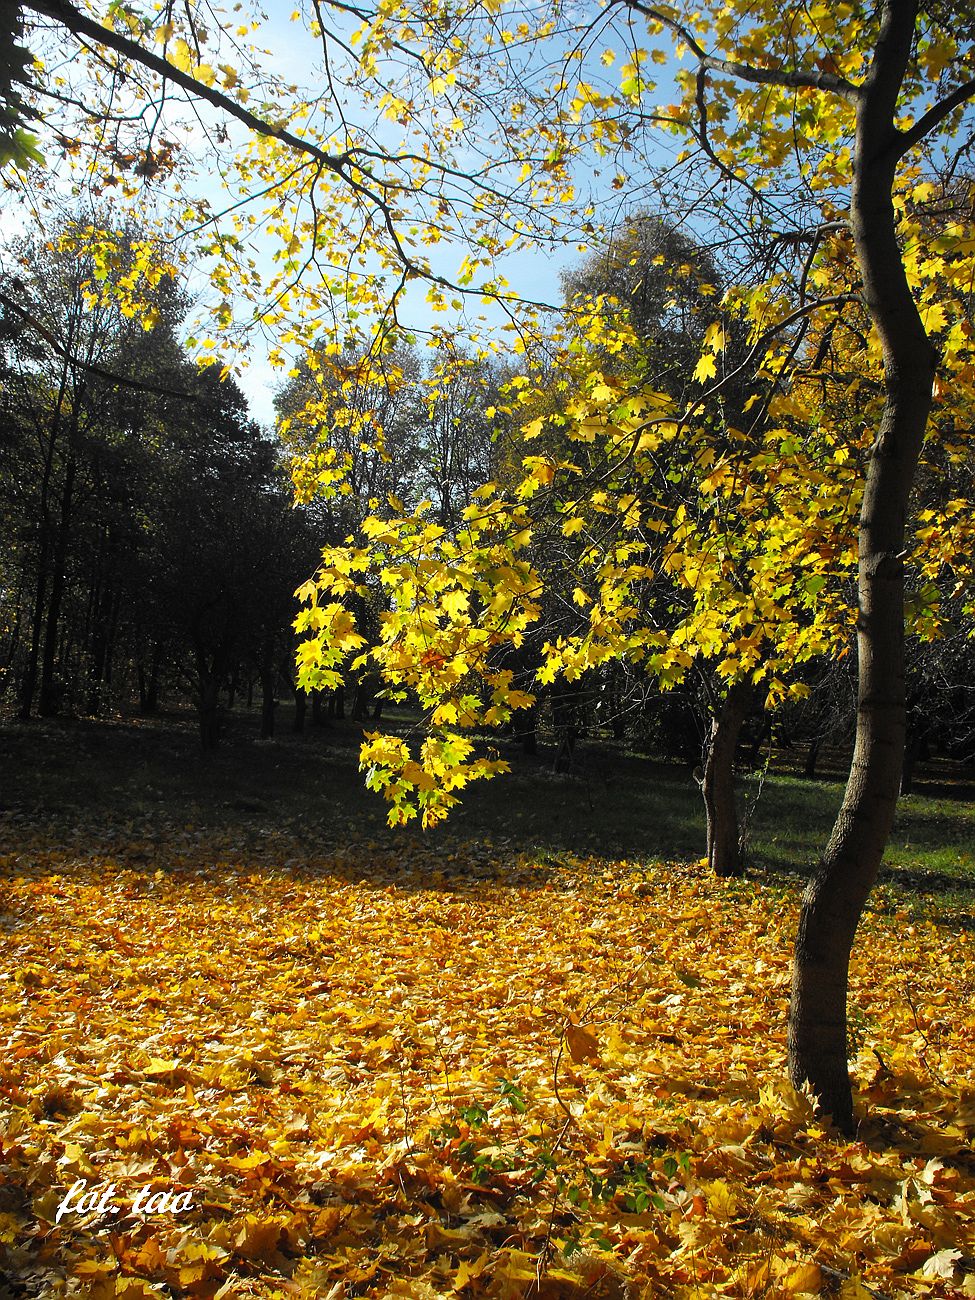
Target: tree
17, 144
668, 285
226, 551
141, 524
891, 81
67, 480
463, 444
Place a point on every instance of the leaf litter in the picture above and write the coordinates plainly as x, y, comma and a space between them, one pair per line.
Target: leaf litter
428, 1069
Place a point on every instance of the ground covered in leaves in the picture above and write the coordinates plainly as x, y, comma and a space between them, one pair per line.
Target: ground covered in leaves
407, 1071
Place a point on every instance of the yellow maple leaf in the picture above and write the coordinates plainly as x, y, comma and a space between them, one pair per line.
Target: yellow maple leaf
583, 1046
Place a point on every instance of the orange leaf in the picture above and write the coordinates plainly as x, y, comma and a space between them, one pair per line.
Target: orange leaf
583, 1046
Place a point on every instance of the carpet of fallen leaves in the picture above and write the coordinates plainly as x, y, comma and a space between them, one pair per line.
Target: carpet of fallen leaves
405, 1070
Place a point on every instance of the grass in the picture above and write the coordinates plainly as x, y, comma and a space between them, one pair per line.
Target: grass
147, 774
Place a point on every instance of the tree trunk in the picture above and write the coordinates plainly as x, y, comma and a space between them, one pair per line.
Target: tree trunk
28, 682
10, 648
208, 701
362, 698
149, 683
566, 723
718, 782
208, 706
112, 643
762, 734
49, 702
319, 709
835, 896
526, 729
301, 706
143, 689
912, 752
103, 615
268, 702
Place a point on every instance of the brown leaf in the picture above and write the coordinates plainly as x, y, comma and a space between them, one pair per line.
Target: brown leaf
583, 1046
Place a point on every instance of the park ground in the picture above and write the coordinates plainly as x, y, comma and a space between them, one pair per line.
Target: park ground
537, 1051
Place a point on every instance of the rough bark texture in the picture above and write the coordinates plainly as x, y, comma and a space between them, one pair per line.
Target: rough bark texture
718, 782
835, 897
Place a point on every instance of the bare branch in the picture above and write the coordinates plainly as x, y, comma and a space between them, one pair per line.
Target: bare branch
705, 139
936, 115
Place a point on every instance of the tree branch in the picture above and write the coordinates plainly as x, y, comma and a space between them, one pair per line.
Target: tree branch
883, 83
825, 81
935, 115
90, 367
339, 164
702, 134
80, 24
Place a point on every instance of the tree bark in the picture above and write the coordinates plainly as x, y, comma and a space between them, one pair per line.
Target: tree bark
834, 899
49, 702
301, 708
718, 782
268, 702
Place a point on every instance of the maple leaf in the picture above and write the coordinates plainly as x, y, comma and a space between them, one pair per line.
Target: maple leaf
583, 1045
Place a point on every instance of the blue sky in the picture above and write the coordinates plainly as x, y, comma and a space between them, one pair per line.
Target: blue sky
535, 273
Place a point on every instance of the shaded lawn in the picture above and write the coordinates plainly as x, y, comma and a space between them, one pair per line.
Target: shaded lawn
152, 774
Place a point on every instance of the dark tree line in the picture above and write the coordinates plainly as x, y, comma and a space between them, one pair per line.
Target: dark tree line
149, 539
